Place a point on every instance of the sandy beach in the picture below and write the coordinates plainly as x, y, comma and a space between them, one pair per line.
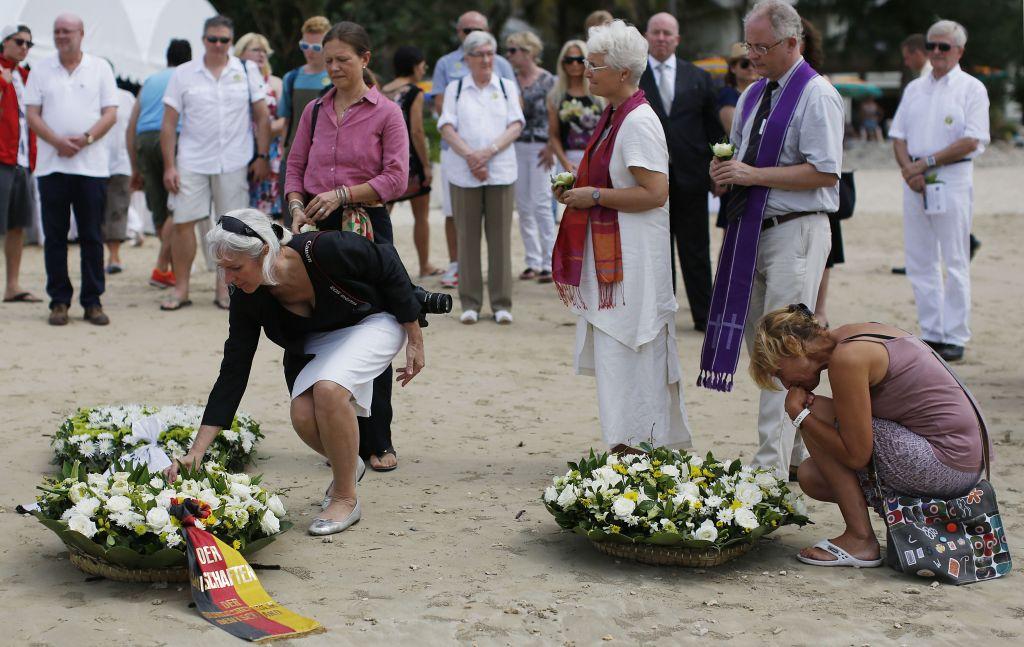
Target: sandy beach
443, 555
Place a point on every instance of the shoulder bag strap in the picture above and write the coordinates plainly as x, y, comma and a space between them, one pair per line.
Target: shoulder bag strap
977, 411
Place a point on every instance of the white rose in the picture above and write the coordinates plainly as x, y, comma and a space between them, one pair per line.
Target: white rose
275, 505
96, 481
156, 482
119, 503
623, 507
120, 487
83, 524
164, 498
568, 496
550, 494
670, 470
724, 150
87, 506
78, 492
269, 523
696, 461
157, 518
766, 480
120, 476
748, 494
707, 531
239, 490
745, 518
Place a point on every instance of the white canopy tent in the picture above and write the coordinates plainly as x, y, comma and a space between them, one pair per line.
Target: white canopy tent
132, 34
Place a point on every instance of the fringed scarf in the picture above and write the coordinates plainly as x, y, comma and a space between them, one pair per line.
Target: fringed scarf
567, 258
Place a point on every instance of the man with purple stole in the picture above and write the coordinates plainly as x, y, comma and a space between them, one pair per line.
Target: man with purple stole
783, 181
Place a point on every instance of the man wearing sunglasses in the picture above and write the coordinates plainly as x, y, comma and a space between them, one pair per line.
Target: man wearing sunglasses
302, 85
685, 101
71, 103
940, 126
212, 156
17, 158
452, 67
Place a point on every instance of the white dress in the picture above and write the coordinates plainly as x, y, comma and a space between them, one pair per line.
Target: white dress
631, 348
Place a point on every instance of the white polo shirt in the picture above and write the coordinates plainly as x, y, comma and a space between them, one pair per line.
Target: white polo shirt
216, 116
934, 113
70, 105
480, 116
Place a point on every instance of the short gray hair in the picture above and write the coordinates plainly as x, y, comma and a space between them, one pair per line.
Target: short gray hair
783, 17
623, 46
949, 28
221, 243
477, 39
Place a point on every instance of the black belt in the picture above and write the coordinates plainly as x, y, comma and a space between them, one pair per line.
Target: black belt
966, 159
532, 139
770, 222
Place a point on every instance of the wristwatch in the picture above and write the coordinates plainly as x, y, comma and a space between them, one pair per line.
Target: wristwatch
930, 161
89, 138
262, 156
596, 195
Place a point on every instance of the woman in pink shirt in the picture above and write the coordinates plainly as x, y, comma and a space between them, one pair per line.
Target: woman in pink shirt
349, 157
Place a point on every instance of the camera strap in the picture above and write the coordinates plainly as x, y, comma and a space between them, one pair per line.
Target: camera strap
309, 257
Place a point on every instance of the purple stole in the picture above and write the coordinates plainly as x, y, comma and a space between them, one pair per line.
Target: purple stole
734, 277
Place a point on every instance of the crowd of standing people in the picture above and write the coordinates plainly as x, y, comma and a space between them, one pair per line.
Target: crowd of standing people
330, 146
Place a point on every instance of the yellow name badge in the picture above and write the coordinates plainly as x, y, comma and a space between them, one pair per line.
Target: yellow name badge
237, 77
494, 96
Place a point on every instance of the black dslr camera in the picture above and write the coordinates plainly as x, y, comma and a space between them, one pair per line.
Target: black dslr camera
431, 303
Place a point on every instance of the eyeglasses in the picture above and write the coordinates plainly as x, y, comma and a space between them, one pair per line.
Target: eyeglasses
485, 54
745, 64
593, 68
512, 50
223, 40
569, 60
466, 31
762, 49
315, 47
21, 42
233, 225
942, 47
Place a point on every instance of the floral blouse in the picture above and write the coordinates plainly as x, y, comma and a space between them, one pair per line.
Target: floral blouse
577, 116
535, 108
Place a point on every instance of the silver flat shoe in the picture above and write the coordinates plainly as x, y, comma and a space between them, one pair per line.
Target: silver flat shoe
360, 473
327, 527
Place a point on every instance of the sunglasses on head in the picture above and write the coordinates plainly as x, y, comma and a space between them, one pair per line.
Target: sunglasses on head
304, 46
942, 47
569, 60
21, 42
469, 30
223, 40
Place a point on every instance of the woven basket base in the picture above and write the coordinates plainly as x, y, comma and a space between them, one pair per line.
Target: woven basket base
92, 566
673, 556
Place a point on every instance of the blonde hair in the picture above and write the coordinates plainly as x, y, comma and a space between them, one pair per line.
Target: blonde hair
526, 40
561, 85
250, 39
781, 333
220, 242
316, 25
599, 17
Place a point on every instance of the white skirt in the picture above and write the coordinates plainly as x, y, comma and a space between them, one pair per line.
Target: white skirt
352, 357
639, 393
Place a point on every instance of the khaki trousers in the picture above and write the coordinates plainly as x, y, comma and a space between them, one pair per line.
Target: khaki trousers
492, 206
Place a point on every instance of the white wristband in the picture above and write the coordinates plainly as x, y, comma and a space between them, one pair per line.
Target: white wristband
800, 418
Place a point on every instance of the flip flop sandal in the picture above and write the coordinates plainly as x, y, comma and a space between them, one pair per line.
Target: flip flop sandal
23, 297
389, 450
843, 558
437, 272
220, 305
178, 306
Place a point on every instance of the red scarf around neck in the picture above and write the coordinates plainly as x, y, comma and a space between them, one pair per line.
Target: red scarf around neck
567, 258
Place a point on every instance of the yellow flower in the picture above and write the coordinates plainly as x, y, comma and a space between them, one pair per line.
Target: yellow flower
632, 496
708, 473
620, 468
236, 544
655, 463
140, 529
719, 524
736, 505
210, 521
694, 472
697, 504
657, 474
613, 529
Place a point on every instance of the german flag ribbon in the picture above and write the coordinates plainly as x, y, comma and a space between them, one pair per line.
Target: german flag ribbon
226, 590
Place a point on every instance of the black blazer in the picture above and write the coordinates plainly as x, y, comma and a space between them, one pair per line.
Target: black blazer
692, 125
371, 273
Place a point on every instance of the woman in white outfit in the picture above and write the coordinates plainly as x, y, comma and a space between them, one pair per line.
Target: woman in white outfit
611, 261
341, 306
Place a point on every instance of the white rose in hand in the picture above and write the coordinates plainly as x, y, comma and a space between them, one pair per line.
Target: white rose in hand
564, 180
723, 151
707, 531
157, 518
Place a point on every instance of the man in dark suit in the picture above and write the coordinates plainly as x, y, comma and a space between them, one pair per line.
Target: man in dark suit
684, 99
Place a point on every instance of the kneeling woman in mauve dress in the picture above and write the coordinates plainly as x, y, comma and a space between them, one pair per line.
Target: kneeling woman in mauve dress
341, 307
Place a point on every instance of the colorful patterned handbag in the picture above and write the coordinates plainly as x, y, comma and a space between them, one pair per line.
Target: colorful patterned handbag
958, 541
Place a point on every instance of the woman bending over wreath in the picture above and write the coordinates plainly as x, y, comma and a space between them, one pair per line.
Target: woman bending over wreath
893, 402
341, 307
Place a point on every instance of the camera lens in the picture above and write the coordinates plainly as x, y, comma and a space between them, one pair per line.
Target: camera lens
437, 303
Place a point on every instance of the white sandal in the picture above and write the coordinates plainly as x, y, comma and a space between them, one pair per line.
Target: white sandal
843, 558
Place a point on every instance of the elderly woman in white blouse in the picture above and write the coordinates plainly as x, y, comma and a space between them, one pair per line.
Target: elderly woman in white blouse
611, 261
480, 120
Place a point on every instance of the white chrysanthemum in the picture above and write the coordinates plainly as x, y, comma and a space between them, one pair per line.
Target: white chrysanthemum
127, 519
706, 531
173, 539
745, 518
87, 506
58, 445
83, 524
87, 449
230, 435
749, 494
713, 501
725, 515
765, 480
105, 447
247, 441
686, 492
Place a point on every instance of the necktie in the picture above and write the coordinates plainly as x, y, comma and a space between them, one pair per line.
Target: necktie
738, 195
665, 83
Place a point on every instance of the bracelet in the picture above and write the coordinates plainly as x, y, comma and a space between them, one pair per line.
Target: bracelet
295, 204
494, 149
800, 417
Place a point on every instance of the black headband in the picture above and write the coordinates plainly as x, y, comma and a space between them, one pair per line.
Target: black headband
234, 225
802, 309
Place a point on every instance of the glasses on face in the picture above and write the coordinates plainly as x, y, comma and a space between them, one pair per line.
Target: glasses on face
466, 31
21, 42
484, 54
942, 47
223, 40
762, 49
593, 68
512, 50
744, 64
314, 47
569, 60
